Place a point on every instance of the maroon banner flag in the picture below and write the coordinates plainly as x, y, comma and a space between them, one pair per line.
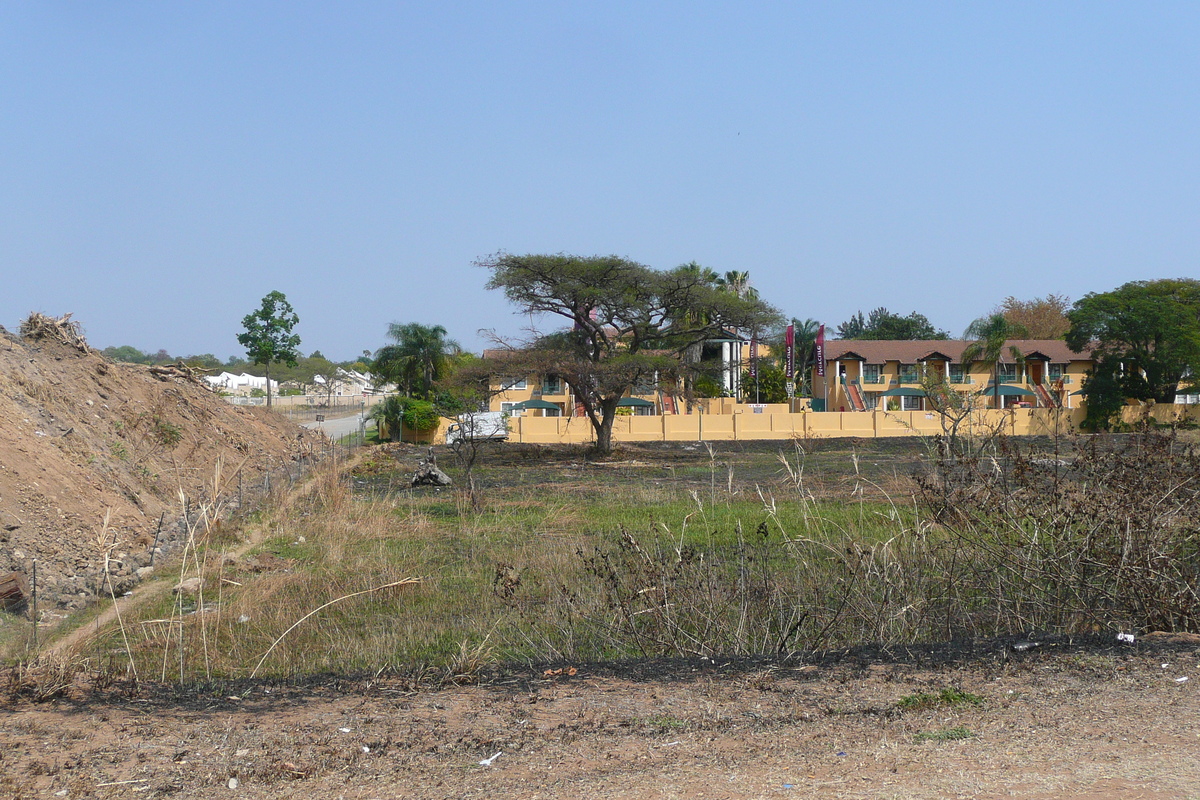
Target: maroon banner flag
790, 342
820, 352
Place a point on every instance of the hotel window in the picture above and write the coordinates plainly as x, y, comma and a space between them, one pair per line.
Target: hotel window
871, 372
645, 385
956, 373
1006, 372
552, 385
908, 373
910, 403
1056, 371
513, 383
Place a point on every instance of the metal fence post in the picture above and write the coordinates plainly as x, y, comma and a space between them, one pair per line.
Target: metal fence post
34, 605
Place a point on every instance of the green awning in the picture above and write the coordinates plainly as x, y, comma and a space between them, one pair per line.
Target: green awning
1006, 390
901, 391
634, 402
530, 404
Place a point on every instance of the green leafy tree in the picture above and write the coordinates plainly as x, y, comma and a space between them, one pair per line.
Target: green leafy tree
415, 414
307, 370
127, 354
203, 361
629, 324
991, 335
416, 359
882, 324
686, 317
770, 386
389, 412
1145, 341
268, 338
853, 328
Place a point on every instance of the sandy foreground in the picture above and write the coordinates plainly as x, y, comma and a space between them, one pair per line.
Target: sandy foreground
1059, 721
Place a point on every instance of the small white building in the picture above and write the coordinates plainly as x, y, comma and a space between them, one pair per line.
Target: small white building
240, 384
345, 382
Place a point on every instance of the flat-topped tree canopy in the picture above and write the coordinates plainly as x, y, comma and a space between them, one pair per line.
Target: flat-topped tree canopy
627, 322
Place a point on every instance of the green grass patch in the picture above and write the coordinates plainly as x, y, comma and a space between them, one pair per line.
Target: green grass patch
948, 735
949, 696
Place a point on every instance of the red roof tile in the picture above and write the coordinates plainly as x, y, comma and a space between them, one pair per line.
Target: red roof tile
914, 351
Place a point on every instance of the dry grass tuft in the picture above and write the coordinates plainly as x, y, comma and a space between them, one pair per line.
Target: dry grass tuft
44, 678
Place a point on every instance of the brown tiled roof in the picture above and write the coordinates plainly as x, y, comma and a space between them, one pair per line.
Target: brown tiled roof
912, 352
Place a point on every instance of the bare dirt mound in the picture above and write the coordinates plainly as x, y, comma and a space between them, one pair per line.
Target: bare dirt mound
102, 459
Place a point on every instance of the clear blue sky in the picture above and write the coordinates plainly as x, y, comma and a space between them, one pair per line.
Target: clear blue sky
165, 165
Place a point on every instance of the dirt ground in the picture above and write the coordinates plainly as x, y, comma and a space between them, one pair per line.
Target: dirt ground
82, 438
1084, 720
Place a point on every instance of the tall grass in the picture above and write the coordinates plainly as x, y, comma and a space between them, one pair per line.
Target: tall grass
597, 564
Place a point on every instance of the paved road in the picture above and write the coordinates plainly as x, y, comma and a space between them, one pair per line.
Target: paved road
337, 428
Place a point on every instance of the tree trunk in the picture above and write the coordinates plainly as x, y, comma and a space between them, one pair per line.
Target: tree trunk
608, 412
267, 372
604, 437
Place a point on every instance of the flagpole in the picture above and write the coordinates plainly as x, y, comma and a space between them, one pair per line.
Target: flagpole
789, 367
820, 354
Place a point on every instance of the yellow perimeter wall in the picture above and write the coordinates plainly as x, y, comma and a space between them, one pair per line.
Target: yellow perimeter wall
739, 423
782, 425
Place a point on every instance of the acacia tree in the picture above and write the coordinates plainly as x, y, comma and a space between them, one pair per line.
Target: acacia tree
630, 324
1145, 340
268, 338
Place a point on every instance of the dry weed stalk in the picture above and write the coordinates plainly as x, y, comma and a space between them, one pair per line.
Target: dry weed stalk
322, 607
112, 591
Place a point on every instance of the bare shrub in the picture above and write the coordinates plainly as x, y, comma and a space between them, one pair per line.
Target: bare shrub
764, 593
1094, 537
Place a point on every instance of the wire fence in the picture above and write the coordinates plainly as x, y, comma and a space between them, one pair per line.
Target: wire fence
252, 488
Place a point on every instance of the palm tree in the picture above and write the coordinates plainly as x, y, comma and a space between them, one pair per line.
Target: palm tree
990, 334
691, 317
705, 274
416, 359
803, 347
737, 283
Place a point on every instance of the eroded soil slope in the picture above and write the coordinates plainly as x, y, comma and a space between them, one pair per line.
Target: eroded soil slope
93, 454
